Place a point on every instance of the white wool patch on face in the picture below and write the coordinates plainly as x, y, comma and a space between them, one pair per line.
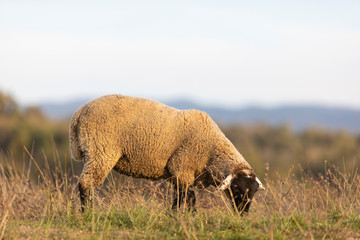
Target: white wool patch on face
226, 182
261, 186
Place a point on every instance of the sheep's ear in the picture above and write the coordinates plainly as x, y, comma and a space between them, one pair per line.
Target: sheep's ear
261, 186
226, 182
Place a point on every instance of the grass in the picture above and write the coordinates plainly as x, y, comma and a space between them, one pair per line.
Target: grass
48, 207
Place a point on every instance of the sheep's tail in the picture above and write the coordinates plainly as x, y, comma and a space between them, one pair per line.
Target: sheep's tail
75, 147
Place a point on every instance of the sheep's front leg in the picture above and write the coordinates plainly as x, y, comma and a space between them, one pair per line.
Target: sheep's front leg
181, 168
191, 200
181, 194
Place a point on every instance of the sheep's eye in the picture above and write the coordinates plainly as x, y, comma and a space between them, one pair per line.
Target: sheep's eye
235, 185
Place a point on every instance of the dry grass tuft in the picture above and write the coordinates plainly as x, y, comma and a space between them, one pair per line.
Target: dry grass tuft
322, 207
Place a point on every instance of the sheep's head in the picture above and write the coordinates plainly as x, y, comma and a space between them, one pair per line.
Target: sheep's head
240, 187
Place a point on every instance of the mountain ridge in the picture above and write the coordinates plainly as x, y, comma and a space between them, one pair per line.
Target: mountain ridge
299, 117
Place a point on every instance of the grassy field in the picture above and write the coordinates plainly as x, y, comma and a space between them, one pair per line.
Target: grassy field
322, 207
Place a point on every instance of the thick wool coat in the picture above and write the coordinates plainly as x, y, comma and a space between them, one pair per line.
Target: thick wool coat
146, 139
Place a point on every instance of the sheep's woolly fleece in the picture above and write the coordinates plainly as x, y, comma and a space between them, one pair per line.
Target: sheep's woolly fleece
146, 139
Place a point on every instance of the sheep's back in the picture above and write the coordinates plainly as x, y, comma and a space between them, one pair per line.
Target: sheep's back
144, 131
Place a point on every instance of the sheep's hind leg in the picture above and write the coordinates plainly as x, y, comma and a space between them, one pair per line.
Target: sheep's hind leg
92, 176
86, 195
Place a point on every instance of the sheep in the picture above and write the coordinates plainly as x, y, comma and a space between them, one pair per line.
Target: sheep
143, 138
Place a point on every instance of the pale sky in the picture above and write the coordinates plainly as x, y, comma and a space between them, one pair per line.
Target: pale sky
230, 53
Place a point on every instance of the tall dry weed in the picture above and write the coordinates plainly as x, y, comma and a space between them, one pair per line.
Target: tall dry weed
312, 207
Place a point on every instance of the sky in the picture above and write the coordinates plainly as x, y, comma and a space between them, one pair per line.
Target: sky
227, 53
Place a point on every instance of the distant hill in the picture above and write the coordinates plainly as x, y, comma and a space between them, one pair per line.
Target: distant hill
298, 117
62, 110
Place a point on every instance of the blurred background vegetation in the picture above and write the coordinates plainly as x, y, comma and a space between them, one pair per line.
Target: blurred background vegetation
277, 148
29, 128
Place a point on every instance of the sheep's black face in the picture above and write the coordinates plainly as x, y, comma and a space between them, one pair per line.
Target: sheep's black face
243, 188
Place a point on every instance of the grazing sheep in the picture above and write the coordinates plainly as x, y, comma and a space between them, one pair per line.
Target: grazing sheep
146, 139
